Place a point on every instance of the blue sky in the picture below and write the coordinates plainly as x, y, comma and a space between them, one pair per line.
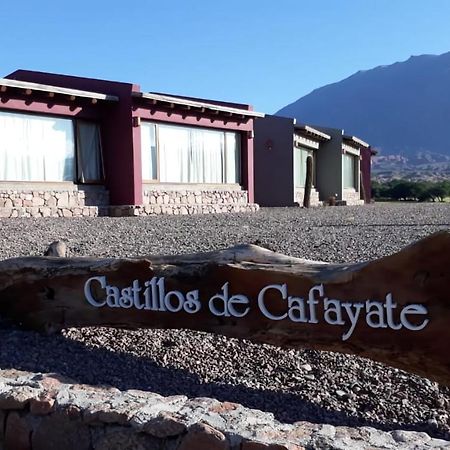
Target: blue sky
267, 53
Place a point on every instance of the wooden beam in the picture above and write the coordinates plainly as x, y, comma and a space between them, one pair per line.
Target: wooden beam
72, 98
50, 94
3, 88
94, 101
395, 309
27, 91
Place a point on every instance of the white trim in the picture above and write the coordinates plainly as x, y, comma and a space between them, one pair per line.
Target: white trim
356, 141
349, 149
196, 104
302, 141
56, 90
310, 130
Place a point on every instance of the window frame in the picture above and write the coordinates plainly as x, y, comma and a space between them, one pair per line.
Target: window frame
74, 122
77, 181
191, 127
309, 152
355, 170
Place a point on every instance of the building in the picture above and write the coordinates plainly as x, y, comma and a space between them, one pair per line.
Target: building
341, 175
73, 146
340, 162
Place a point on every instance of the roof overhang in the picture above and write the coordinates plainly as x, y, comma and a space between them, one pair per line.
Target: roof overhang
311, 131
354, 140
28, 88
196, 105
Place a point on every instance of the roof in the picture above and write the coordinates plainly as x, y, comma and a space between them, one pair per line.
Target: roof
355, 140
312, 131
29, 87
203, 106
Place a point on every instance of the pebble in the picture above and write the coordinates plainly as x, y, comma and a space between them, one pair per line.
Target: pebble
174, 362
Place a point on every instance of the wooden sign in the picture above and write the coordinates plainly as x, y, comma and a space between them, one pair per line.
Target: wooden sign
395, 309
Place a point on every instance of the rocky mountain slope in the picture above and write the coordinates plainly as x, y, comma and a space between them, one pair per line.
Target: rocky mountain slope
402, 109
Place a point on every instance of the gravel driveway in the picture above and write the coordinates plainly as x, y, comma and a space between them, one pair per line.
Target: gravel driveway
293, 384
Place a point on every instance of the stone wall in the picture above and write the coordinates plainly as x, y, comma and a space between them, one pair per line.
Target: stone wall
76, 202
352, 197
174, 201
39, 412
299, 195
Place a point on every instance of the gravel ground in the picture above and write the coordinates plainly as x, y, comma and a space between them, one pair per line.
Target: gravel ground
314, 386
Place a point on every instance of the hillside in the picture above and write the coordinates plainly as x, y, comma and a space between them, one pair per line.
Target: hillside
402, 109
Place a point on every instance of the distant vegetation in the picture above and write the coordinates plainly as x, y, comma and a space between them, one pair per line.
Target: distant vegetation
421, 191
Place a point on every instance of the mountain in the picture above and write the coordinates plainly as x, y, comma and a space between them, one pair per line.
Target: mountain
402, 109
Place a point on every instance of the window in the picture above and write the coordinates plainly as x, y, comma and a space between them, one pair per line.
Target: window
300, 156
43, 148
176, 154
148, 150
350, 170
89, 152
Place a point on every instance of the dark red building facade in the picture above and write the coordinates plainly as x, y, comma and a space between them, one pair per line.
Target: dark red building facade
80, 146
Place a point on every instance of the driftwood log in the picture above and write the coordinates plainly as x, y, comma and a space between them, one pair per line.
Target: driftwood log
395, 309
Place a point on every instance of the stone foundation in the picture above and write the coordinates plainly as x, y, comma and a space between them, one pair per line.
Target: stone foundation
187, 201
149, 210
39, 411
299, 195
351, 197
90, 201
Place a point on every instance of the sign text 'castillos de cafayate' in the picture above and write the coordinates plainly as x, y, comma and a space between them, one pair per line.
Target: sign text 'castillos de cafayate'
153, 296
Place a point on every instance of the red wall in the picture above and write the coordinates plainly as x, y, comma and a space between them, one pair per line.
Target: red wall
366, 168
117, 133
121, 140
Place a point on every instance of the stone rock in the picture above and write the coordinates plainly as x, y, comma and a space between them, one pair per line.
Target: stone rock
52, 202
63, 200
164, 425
56, 248
45, 212
202, 436
42, 405
17, 433
38, 201
123, 438
16, 398
410, 437
61, 430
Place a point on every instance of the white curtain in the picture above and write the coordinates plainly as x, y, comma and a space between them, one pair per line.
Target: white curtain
174, 154
207, 150
232, 158
89, 154
36, 148
196, 155
148, 151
